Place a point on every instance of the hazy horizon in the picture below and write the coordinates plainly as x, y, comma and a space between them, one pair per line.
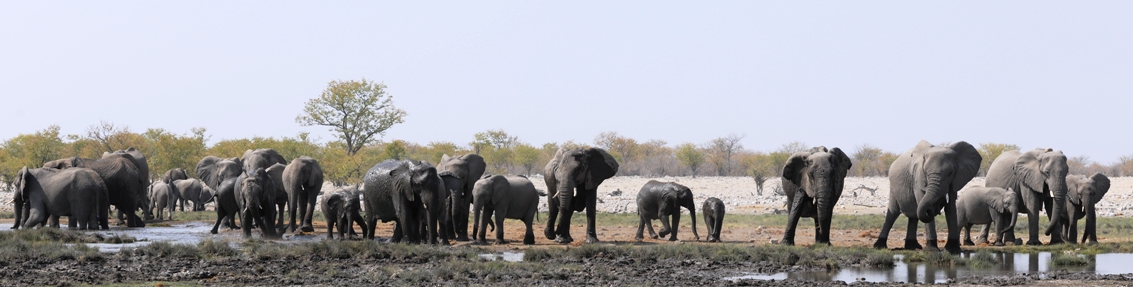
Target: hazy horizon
888, 74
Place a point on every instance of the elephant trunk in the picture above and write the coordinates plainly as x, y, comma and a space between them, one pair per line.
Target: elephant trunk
1013, 212
1057, 211
928, 207
1091, 218
692, 212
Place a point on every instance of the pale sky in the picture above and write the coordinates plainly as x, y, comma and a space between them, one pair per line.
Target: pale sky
833, 73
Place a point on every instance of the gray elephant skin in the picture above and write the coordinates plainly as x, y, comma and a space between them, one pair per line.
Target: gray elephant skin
303, 180
342, 207
986, 205
464, 171
261, 158
226, 206
813, 183
275, 171
1039, 178
174, 174
714, 211
255, 196
45, 192
411, 194
125, 184
924, 180
214, 170
659, 201
1084, 194
507, 197
573, 177
194, 192
162, 196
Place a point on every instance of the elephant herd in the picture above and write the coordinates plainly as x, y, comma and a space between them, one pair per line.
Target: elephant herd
432, 204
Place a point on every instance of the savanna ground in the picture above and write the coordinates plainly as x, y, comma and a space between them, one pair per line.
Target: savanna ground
51, 257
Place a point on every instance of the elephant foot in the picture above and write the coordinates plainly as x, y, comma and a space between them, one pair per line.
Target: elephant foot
654, 236
952, 247
563, 240
663, 232
213, 231
307, 228
911, 244
968, 242
549, 233
1092, 242
501, 242
463, 238
787, 241
480, 242
591, 239
673, 238
931, 245
1034, 242
710, 239
998, 243
639, 238
1056, 242
880, 243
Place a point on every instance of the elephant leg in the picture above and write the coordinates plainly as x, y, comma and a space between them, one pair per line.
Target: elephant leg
883, 236
1033, 227
293, 198
361, 224
309, 214
649, 225
480, 229
500, 214
563, 228
793, 220
591, 216
950, 218
1091, 226
460, 219
529, 235
331, 221
371, 225
398, 232
54, 221
911, 236
219, 219
72, 223
676, 225
552, 216
967, 234
822, 221
1072, 231
280, 221
641, 221
666, 228
930, 236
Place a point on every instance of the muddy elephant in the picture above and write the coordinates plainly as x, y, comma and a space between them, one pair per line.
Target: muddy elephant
713, 209
465, 170
194, 192
573, 177
342, 207
659, 201
162, 196
255, 196
1084, 193
1039, 178
924, 180
125, 184
411, 194
508, 197
78, 193
986, 205
227, 210
813, 183
303, 180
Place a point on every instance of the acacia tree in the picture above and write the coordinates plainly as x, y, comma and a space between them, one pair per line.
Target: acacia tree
359, 112
990, 151
720, 151
690, 156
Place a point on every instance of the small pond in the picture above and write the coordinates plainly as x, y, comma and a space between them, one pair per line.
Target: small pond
1010, 264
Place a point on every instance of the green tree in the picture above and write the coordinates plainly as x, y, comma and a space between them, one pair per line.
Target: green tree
690, 156
359, 112
396, 149
526, 156
720, 151
623, 149
990, 151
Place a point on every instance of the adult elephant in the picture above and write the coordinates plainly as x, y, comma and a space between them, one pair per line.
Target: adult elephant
174, 174
139, 161
45, 192
275, 171
255, 196
193, 191
813, 183
660, 200
214, 170
511, 197
408, 192
570, 169
1035, 175
1084, 194
261, 158
123, 180
924, 180
226, 206
465, 170
303, 180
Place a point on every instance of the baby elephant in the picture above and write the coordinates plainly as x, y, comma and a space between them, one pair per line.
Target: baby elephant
659, 200
342, 207
713, 217
986, 205
510, 196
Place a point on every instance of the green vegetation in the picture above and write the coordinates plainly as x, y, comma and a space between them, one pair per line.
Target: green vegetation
983, 259
62, 236
810, 257
1069, 259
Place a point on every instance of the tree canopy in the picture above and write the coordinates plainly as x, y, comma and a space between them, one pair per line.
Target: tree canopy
359, 112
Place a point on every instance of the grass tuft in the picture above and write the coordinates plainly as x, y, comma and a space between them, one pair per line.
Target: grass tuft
1069, 259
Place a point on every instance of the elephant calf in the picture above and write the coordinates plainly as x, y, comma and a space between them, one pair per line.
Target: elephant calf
713, 217
255, 196
986, 205
1084, 193
660, 200
342, 207
162, 197
226, 207
512, 197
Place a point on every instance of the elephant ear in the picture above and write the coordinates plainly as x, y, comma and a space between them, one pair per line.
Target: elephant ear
1101, 186
1028, 169
500, 188
601, 166
22, 179
444, 159
206, 171
1074, 187
967, 164
402, 184
793, 173
996, 201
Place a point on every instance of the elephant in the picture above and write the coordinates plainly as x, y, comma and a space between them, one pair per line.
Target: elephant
1084, 194
986, 205
924, 180
214, 170
511, 197
813, 182
255, 196
275, 171
226, 206
193, 191
162, 196
583, 169
174, 174
139, 161
713, 209
261, 158
408, 192
47, 192
1035, 176
465, 171
303, 180
342, 207
123, 180
661, 200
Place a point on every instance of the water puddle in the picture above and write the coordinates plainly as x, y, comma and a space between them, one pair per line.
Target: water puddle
505, 256
185, 233
1011, 264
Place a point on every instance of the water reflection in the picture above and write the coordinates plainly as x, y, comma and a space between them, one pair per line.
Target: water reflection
1011, 264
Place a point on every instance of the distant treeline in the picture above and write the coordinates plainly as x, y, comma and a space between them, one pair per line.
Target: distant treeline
504, 153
